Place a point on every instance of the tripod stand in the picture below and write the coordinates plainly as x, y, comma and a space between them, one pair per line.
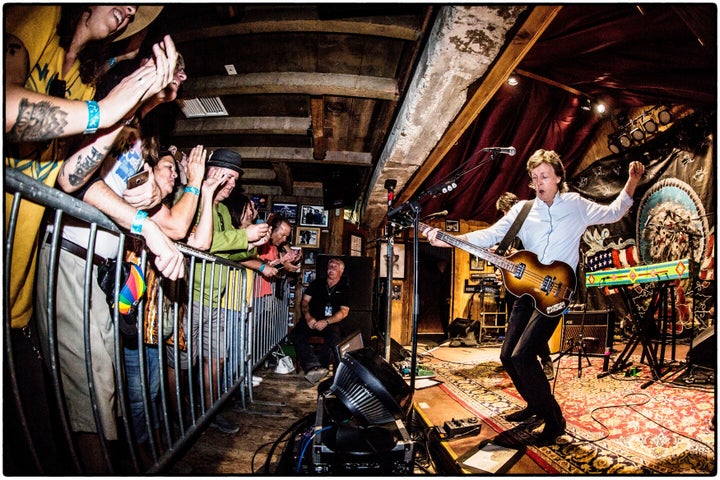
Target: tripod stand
579, 344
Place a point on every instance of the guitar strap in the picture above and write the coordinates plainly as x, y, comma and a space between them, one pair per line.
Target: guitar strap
514, 228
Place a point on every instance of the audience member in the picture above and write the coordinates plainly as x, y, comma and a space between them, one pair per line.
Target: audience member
52, 64
324, 305
236, 244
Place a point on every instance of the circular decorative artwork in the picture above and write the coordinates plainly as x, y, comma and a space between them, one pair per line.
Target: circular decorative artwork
671, 223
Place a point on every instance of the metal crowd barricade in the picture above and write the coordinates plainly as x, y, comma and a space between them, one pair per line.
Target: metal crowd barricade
268, 323
186, 399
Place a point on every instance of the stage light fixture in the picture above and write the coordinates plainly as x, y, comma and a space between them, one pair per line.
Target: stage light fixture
512, 80
637, 134
600, 108
370, 388
649, 124
664, 116
613, 145
624, 139
586, 104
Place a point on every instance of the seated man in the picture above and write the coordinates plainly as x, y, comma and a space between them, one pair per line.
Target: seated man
324, 305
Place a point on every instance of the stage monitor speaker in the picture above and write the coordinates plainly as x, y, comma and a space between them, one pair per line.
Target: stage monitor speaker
703, 350
598, 324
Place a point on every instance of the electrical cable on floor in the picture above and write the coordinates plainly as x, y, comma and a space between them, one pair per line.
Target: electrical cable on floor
631, 407
309, 418
303, 447
422, 437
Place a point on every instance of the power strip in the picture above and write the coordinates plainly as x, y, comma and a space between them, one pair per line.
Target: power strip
459, 428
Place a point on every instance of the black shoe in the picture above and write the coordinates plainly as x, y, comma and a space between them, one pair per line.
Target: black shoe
520, 415
550, 433
506, 440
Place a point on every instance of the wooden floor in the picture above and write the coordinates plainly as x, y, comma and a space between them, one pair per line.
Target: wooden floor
280, 402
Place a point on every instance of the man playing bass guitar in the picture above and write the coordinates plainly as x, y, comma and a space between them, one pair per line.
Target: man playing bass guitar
551, 233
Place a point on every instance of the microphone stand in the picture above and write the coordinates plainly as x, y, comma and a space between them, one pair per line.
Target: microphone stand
406, 214
390, 185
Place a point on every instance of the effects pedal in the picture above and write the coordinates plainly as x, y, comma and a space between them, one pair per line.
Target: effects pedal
459, 428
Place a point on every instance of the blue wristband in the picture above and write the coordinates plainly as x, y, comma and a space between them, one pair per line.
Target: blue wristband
93, 121
193, 190
112, 61
137, 224
262, 267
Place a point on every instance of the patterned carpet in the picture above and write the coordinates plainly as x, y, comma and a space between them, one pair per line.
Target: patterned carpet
613, 425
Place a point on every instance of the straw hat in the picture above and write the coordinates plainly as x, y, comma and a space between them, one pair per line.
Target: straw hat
143, 17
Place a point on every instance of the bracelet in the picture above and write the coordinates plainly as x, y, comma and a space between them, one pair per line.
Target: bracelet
262, 267
138, 222
93, 117
193, 190
112, 61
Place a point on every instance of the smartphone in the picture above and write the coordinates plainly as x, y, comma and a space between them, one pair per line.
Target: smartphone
137, 179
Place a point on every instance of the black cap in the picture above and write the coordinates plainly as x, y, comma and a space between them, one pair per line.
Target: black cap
225, 158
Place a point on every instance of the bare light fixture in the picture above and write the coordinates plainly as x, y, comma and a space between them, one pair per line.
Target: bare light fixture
512, 80
586, 104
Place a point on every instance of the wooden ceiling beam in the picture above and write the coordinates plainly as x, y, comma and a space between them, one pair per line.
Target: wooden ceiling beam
317, 115
307, 21
243, 125
297, 155
293, 83
538, 20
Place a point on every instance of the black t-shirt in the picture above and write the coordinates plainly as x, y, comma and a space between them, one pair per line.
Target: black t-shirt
323, 295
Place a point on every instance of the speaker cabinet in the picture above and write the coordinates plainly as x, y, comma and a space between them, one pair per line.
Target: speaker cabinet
703, 350
599, 324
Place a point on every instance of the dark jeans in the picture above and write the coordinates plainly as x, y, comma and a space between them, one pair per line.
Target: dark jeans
526, 336
306, 354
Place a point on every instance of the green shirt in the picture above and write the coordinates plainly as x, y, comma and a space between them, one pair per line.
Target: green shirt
228, 242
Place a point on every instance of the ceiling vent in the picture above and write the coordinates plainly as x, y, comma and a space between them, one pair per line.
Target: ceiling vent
202, 107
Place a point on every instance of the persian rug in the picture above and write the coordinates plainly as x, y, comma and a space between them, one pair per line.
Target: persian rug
614, 425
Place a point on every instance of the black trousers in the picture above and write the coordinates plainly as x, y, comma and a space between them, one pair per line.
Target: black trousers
307, 355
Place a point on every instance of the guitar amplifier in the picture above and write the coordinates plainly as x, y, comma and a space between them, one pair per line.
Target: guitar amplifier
598, 324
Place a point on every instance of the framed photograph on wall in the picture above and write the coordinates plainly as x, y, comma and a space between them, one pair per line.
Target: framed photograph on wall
452, 226
287, 210
308, 275
310, 257
476, 263
398, 263
307, 237
313, 216
355, 245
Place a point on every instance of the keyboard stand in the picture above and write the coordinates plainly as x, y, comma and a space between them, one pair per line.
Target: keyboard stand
643, 332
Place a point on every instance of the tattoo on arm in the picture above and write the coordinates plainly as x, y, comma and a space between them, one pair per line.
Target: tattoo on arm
84, 167
37, 122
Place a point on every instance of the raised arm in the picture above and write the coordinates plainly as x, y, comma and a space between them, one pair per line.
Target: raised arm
34, 117
168, 259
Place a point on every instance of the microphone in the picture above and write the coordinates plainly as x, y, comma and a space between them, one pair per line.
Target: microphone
441, 213
510, 151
